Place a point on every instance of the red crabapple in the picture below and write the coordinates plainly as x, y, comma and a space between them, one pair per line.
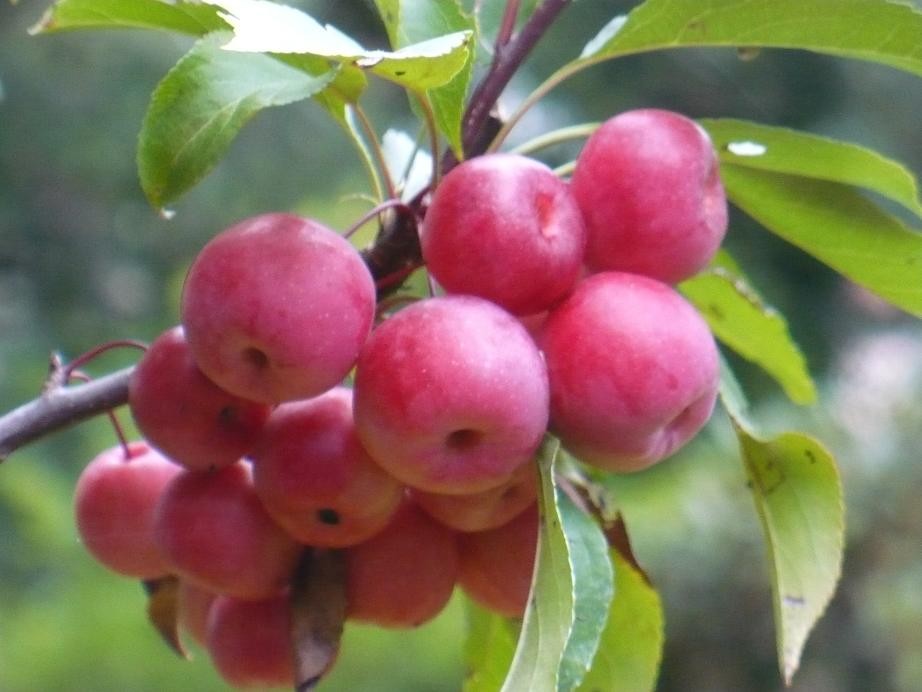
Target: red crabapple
451, 395
277, 307
184, 414
250, 641
404, 575
484, 510
504, 227
114, 502
633, 370
648, 185
315, 478
496, 566
216, 534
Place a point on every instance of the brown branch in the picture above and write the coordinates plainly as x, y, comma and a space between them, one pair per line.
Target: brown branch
59, 407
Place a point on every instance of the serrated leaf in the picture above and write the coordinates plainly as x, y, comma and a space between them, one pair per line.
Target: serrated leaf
570, 595
410, 21
632, 643
318, 612
740, 319
266, 27
201, 105
837, 225
781, 150
876, 30
798, 495
163, 610
183, 16
489, 645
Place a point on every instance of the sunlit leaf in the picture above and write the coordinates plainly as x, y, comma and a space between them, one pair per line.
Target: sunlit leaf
410, 21
837, 225
571, 592
798, 495
781, 150
881, 31
163, 610
201, 105
318, 612
758, 332
266, 27
182, 16
632, 643
489, 645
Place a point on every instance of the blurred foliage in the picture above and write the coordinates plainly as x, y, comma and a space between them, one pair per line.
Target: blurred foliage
83, 259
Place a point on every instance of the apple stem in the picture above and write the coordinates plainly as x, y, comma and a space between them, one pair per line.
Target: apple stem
113, 419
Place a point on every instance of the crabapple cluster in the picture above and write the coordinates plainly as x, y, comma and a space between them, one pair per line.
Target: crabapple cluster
556, 314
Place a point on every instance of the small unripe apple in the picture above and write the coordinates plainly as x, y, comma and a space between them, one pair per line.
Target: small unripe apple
114, 503
504, 227
315, 478
633, 370
648, 185
451, 395
277, 307
217, 535
184, 414
496, 566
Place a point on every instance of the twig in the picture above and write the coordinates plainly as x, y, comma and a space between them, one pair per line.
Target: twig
59, 407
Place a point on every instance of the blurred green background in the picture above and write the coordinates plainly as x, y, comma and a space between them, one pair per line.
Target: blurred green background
84, 259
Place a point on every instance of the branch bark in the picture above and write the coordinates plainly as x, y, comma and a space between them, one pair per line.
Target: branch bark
59, 407
394, 253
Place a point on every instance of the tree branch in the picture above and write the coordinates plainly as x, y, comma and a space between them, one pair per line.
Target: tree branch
59, 407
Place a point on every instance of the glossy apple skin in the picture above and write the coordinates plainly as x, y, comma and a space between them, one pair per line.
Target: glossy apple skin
114, 502
184, 414
504, 227
277, 307
633, 370
250, 641
484, 510
315, 478
217, 535
648, 185
496, 566
451, 395
404, 575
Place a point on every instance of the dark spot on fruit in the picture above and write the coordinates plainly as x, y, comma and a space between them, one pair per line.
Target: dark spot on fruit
327, 516
255, 358
463, 439
227, 416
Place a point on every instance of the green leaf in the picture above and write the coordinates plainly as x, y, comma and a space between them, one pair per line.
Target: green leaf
202, 104
780, 150
411, 21
837, 225
571, 592
798, 495
185, 17
489, 645
265, 27
876, 30
632, 643
741, 320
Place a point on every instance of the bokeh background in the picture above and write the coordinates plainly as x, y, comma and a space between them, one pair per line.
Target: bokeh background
84, 259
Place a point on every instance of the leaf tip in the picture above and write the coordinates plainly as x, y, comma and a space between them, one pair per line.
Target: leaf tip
45, 24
